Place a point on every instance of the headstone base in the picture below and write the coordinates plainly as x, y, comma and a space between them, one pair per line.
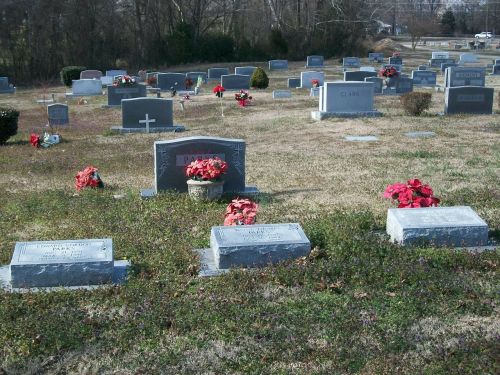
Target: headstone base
208, 266
318, 115
121, 130
248, 192
119, 277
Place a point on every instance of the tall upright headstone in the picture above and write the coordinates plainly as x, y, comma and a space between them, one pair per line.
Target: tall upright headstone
58, 114
165, 81
235, 82
465, 76
468, 100
315, 61
306, 78
85, 87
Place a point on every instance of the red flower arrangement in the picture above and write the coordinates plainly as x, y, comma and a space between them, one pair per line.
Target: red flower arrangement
88, 177
151, 80
242, 97
35, 140
124, 81
315, 83
207, 169
395, 54
218, 91
389, 72
241, 212
412, 194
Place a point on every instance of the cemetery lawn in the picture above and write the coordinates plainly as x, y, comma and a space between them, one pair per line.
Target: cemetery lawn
357, 304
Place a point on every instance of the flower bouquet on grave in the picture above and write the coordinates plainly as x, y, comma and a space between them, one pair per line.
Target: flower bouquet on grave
151, 80
124, 81
243, 98
218, 91
205, 178
89, 177
241, 212
315, 83
412, 194
44, 141
390, 73
395, 54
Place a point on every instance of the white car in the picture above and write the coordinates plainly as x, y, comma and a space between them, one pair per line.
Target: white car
483, 35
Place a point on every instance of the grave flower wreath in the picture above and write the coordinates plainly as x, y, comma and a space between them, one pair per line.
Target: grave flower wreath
218, 91
89, 177
124, 81
389, 72
315, 83
413, 194
242, 97
206, 169
44, 141
241, 212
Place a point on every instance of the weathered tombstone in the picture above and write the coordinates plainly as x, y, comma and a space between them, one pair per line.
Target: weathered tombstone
217, 73
376, 56
116, 72
315, 61
147, 115
361, 138
165, 81
282, 94
346, 99
440, 55
306, 79
107, 80
351, 62
422, 67
468, 100
117, 93
465, 76
278, 64
436, 63
245, 70
6, 87
395, 60
252, 246
424, 77
314, 92
172, 157
378, 84
90, 74
358, 75
194, 76
404, 85
456, 226
445, 66
235, 82
58, 114
467, 58
495, 70
85, 87
367, 69
293, 82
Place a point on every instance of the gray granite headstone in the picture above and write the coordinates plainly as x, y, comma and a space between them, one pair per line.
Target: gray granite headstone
367, 69
495, 70
307, 77
361, 138
404, 85
396, 60
465, 76
315, 61
235, 82
165, 81
58, 114
314, 91
86, 87
376, 56
467, 58
282, 94
117, 93
456, 226
5, 87
217, 73
90, 74
422, 67
62, 263
351, 62
116, 72
420, 134
358, 75
436, 63
245, 70
293, 82
424, 77
278, 64
444, 66
468, 100
194, 76
378, 84
440, 55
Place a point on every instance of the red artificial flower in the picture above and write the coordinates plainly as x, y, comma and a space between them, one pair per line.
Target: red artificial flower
89, 177
412, 194
389, 71
241, 212
218, 89
35, 140
206, 169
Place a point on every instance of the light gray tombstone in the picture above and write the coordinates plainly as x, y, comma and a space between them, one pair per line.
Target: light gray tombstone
424, 78
436, 63
456, 226
361, 138
466, 58
351, 62
85, 87
465, 76
315, 61
90, 74
367, 69
314, 92
376, 56
468, 100
116, 72
165, 81
217, 73
420, 134
6, 87
307, 77
278, 64
404, 85
172, 157
440, 55
245, 70
293, 82
378, 84
422, 67
235, 82
147, 114
58, 114
358, 75
194, 76
495, 70
117, 93
346, 99
282, 94
395, 60
107, 80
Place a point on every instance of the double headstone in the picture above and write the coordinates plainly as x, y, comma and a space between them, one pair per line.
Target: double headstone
90, 74
217, 73
376, 57
245, 70
315, 61
117, 93
6, 87
424, 77
351, 62
306, 79
358, 75
58, 114
436, 63
468, 100
278, 64
165, 81
85, 87
396, 60
464, 76
235, 81
378, 84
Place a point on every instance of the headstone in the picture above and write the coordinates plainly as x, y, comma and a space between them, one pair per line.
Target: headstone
159, 115
436, 63
440, 55
465, 76
445, 66
378, 84
245, 70
293, 82
315, 61
496, 61
86, 87
404, 85
107, 80
235, 82
358, 75
495, 70
278, 65
467, 58
422, 67
361, 138
194, 76
172, 157
314, 92
456, 226
420, 134
217, 73
468, 100
396, 60
282, 94
116, 72
90, 74
117, 93
165, 81
6, 87
58, 114
367, 69
424, 78
376, 56
346, 99
62, 263
351, 62
307, 77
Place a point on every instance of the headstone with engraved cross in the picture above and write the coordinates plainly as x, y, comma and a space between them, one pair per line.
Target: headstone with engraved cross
147, 121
